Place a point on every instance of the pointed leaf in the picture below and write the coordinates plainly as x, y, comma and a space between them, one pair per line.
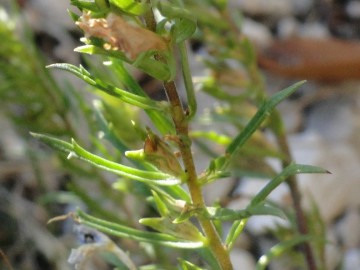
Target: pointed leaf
130, 233
145, 61
160, 120
292, 169
75, 150
258, 118
235, 230
160, 205
266, 210
142, 102
184, 231
226, 214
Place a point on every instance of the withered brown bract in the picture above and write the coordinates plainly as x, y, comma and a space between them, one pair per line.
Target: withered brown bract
121, 35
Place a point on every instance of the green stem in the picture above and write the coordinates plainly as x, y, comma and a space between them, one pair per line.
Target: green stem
182, 131
181, 125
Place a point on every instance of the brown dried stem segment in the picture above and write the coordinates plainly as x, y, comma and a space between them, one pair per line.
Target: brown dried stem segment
296, 197
181, 124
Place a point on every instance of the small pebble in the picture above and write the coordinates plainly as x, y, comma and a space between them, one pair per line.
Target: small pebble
242, 260
352, 259
353, 9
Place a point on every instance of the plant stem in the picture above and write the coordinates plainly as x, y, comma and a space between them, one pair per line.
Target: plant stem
296, 197
182, 131
181, 126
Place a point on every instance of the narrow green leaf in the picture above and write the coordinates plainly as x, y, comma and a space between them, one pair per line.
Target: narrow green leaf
184, 231
226, 214
259, 198
160, 120
160, 205
212, 136
145, 61
75, 17
136, 100
130, 233
186, 73
186, 265
107, 129
130, 6
75, 150
279, 249
55, 143
265, 209
290, 170
235, 230
258, 118
157, 69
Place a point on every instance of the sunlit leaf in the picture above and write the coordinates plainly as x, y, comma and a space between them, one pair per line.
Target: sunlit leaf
136, 100
76, 151
160, 120
184, 231
137, 235
130, 6
226, 214
292, 169
263, 112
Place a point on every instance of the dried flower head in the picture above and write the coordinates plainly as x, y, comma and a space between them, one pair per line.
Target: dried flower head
121, 35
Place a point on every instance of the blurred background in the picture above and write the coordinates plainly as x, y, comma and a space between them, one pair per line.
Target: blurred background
317, 40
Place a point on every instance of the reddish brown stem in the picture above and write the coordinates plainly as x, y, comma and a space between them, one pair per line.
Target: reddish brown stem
296, 197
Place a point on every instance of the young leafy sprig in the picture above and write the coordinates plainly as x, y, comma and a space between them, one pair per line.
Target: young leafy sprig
127, 33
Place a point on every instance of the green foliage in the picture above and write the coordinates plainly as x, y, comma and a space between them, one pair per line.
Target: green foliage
165, 184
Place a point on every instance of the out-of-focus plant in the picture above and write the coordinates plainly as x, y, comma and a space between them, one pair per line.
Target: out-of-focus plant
162, 175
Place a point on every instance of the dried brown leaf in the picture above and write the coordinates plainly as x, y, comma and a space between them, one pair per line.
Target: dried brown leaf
121, 35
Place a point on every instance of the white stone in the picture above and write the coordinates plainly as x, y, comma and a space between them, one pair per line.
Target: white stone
292, 116
287, 27
242, 260
333, 253
272, 7
352, 259
332, 192
348, 228
266, 7
333, 119
259, 35
353, 9
314, 30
